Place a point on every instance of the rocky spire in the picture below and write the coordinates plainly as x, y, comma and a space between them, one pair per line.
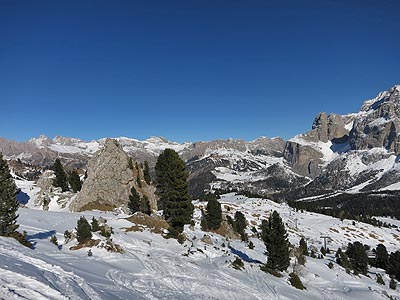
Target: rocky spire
109, 181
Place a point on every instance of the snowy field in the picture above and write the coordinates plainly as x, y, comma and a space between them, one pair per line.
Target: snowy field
156, 268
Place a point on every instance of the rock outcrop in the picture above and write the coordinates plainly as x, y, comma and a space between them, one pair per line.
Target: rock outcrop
378, 123
109, 181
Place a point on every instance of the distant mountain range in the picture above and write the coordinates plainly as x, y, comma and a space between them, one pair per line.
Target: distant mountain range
348, 153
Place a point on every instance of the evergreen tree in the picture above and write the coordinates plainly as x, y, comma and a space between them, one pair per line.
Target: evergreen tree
130, 163
203, 222
95, 225
381, 257
303, 246
213, 213
276, 241
146, 173
8, 201
342, 259
75, 181
83, 230
240, 225
139, 181
145, 205
358, 257
61, 177
172, 188
394, 264
392, 283
134, 201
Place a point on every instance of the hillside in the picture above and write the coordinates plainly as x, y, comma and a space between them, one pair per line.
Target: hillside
153, 267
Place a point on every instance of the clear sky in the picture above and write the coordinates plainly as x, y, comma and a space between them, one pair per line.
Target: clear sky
190, 70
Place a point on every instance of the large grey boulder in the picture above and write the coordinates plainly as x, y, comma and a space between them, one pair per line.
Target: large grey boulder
109, 181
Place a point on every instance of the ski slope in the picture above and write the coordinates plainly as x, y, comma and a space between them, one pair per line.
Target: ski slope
156, 268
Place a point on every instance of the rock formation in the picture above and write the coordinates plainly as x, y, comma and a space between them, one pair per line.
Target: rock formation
378, 123
109, 181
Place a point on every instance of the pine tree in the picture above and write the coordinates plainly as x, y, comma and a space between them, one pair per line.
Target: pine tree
134, 201
392, 283
172, 188
358, 257
61, 177
303, 246
394, 264
214, 213
381, 257
145, 205
276, 241
241, 224
75, 181
83, 230
146, 173
95, 225
8, 201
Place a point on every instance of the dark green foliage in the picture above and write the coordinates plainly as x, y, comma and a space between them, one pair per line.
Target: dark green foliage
240, 225
296, 282
330, 265
54, 240
323, 251
146, 173
276, 241
95, 225
342, 259
238, 263
213, 212
104, 232
172, 188
134, 201
251, 245
61, 177
8, 201
83, 230
358, 257
130, 163
67, 235
145, 205
381, 257
75, 181
139, 181
379, 279
394, 264
359, 206
303, 246
204, 222
392, 284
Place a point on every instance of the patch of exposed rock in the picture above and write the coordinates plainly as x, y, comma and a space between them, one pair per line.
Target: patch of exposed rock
49, 193
109, 181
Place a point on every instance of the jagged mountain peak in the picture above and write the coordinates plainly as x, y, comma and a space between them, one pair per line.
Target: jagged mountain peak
392, 95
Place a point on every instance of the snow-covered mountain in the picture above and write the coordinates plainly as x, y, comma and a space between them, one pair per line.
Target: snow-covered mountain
354, 152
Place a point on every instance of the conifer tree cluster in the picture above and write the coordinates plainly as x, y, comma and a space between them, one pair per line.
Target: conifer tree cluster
137, 203
358, 257
276, 241
172, 188
61, 177
240, 225
8, 201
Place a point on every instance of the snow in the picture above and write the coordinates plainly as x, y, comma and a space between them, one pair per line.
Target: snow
392, 187
156, 268
325, 148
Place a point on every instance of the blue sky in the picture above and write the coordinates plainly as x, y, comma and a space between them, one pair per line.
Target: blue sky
190, 70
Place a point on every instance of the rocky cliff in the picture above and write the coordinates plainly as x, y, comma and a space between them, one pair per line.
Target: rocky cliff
109, 181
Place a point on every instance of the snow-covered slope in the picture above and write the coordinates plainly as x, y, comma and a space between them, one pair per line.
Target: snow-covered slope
156, 268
